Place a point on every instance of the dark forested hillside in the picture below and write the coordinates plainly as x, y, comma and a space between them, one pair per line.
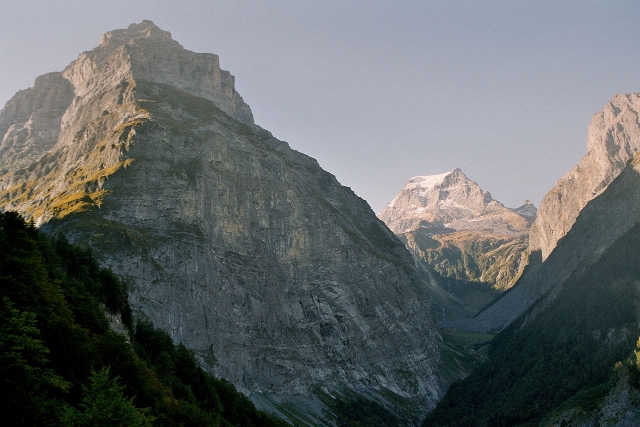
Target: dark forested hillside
568, 347
62, 361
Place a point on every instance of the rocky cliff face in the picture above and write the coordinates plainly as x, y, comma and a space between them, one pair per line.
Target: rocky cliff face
613, 139
64, 123
30, 122
597, 227
279, 278
153, 55
457, 228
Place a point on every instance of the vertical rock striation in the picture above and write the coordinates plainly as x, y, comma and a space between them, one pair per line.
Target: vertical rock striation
279, 278
30, 122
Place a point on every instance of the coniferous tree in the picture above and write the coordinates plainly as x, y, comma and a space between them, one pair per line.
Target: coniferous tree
104, 403
36, 389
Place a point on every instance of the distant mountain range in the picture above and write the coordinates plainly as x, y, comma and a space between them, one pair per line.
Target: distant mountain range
450, 223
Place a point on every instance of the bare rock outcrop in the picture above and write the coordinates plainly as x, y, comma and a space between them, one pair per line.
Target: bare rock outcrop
600, 223
30, 122
613, 139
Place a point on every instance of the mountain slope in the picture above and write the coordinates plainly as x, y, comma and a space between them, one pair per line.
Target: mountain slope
613, 139
71, 354
615, 213
280, 279
614, 402
454, 226
569, 340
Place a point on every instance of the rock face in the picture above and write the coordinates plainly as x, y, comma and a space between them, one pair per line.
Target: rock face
154, 56
613, 139
597, 227
279, 278
456, 227
42, 127
30, 122
527, 210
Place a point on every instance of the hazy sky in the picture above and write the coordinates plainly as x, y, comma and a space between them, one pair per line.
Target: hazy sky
379, 91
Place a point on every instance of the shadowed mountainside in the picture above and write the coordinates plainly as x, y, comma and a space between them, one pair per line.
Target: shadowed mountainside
565, 345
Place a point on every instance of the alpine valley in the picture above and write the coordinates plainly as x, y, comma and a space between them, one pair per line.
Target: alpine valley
175, 258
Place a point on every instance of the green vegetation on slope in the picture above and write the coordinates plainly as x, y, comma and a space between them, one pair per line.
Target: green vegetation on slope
62, 363
471, 256
535, 365
614, 402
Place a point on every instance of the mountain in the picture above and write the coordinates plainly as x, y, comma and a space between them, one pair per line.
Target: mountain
454, 226
72, 354
561, 352
607, 156
527, 210
277, 277
614, 402
613, 139
450, 201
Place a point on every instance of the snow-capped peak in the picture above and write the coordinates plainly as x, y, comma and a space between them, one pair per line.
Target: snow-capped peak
427, 181
452, 200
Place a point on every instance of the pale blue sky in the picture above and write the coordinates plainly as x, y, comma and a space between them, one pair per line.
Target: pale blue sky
379, 91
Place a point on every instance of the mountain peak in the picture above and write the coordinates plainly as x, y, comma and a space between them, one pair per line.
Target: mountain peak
143, 30
450, 223
452, 200
145, 52
613, 140
527, 209
428, 181
526, 203
424, 192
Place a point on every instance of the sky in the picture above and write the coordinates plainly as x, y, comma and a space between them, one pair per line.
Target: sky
380, 91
